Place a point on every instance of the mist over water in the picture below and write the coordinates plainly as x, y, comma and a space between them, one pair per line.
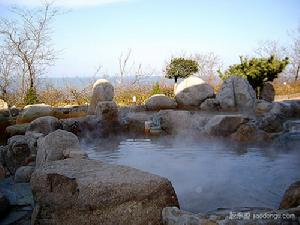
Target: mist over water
208, 173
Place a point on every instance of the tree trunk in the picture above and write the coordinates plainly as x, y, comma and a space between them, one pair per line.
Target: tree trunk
297, 73
175, 79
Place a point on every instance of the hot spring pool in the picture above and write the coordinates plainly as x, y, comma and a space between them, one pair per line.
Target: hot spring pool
208, 174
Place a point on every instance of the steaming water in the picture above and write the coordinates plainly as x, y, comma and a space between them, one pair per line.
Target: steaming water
209, 174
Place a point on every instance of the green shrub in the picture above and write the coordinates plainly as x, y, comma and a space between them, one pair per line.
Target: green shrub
31, 97
256, 70
156, 89
181, 68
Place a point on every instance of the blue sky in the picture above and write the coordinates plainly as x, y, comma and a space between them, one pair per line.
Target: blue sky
95, 32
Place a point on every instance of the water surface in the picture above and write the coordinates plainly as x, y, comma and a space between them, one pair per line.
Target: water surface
209, 174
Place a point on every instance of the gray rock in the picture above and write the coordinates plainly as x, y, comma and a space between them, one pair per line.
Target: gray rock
103, 90
88, 192
107, 110
32, 112
236, 94
182, 121
58, 145
160, 101
268, 92
19, 152
210, 105
82, 125
135, 121
224, 125
250, 132
44, 125
192, 91
291, 197
263, 107
23, 174
17, 129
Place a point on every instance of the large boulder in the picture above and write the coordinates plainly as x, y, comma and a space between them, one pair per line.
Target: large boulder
19, 152
236, 94
291, 198
44, 125
103, 90
192, 91
89, 192
107, 110
32, 112
58, 145
268, 92
181, 121
224, 125
160, 101
3, 105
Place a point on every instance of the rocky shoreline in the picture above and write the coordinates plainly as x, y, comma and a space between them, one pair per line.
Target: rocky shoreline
43, 155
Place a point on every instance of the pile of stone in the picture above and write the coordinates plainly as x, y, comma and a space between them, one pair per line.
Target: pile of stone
102, 103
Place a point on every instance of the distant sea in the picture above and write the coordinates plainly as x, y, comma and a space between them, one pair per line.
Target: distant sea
80, 82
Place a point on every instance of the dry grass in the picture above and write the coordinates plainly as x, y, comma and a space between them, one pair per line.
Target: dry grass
123, 94
291, 87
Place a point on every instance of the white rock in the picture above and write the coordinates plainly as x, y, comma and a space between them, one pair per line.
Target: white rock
103, 90
192, 91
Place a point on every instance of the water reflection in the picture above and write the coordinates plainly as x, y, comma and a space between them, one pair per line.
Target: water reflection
208, 173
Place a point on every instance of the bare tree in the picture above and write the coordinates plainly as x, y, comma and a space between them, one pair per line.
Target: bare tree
128, 67
209, 64
7, 68
271, 47
28, 39
123, 64
295, 55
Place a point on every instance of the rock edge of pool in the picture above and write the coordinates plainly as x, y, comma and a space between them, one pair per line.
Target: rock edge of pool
46, 176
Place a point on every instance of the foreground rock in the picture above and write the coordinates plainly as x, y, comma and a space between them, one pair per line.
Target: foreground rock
102, 91
88, 192
160, 101
236, 94
32, 112
44, 125
224, 125
192, 91
58, 145
291, 197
